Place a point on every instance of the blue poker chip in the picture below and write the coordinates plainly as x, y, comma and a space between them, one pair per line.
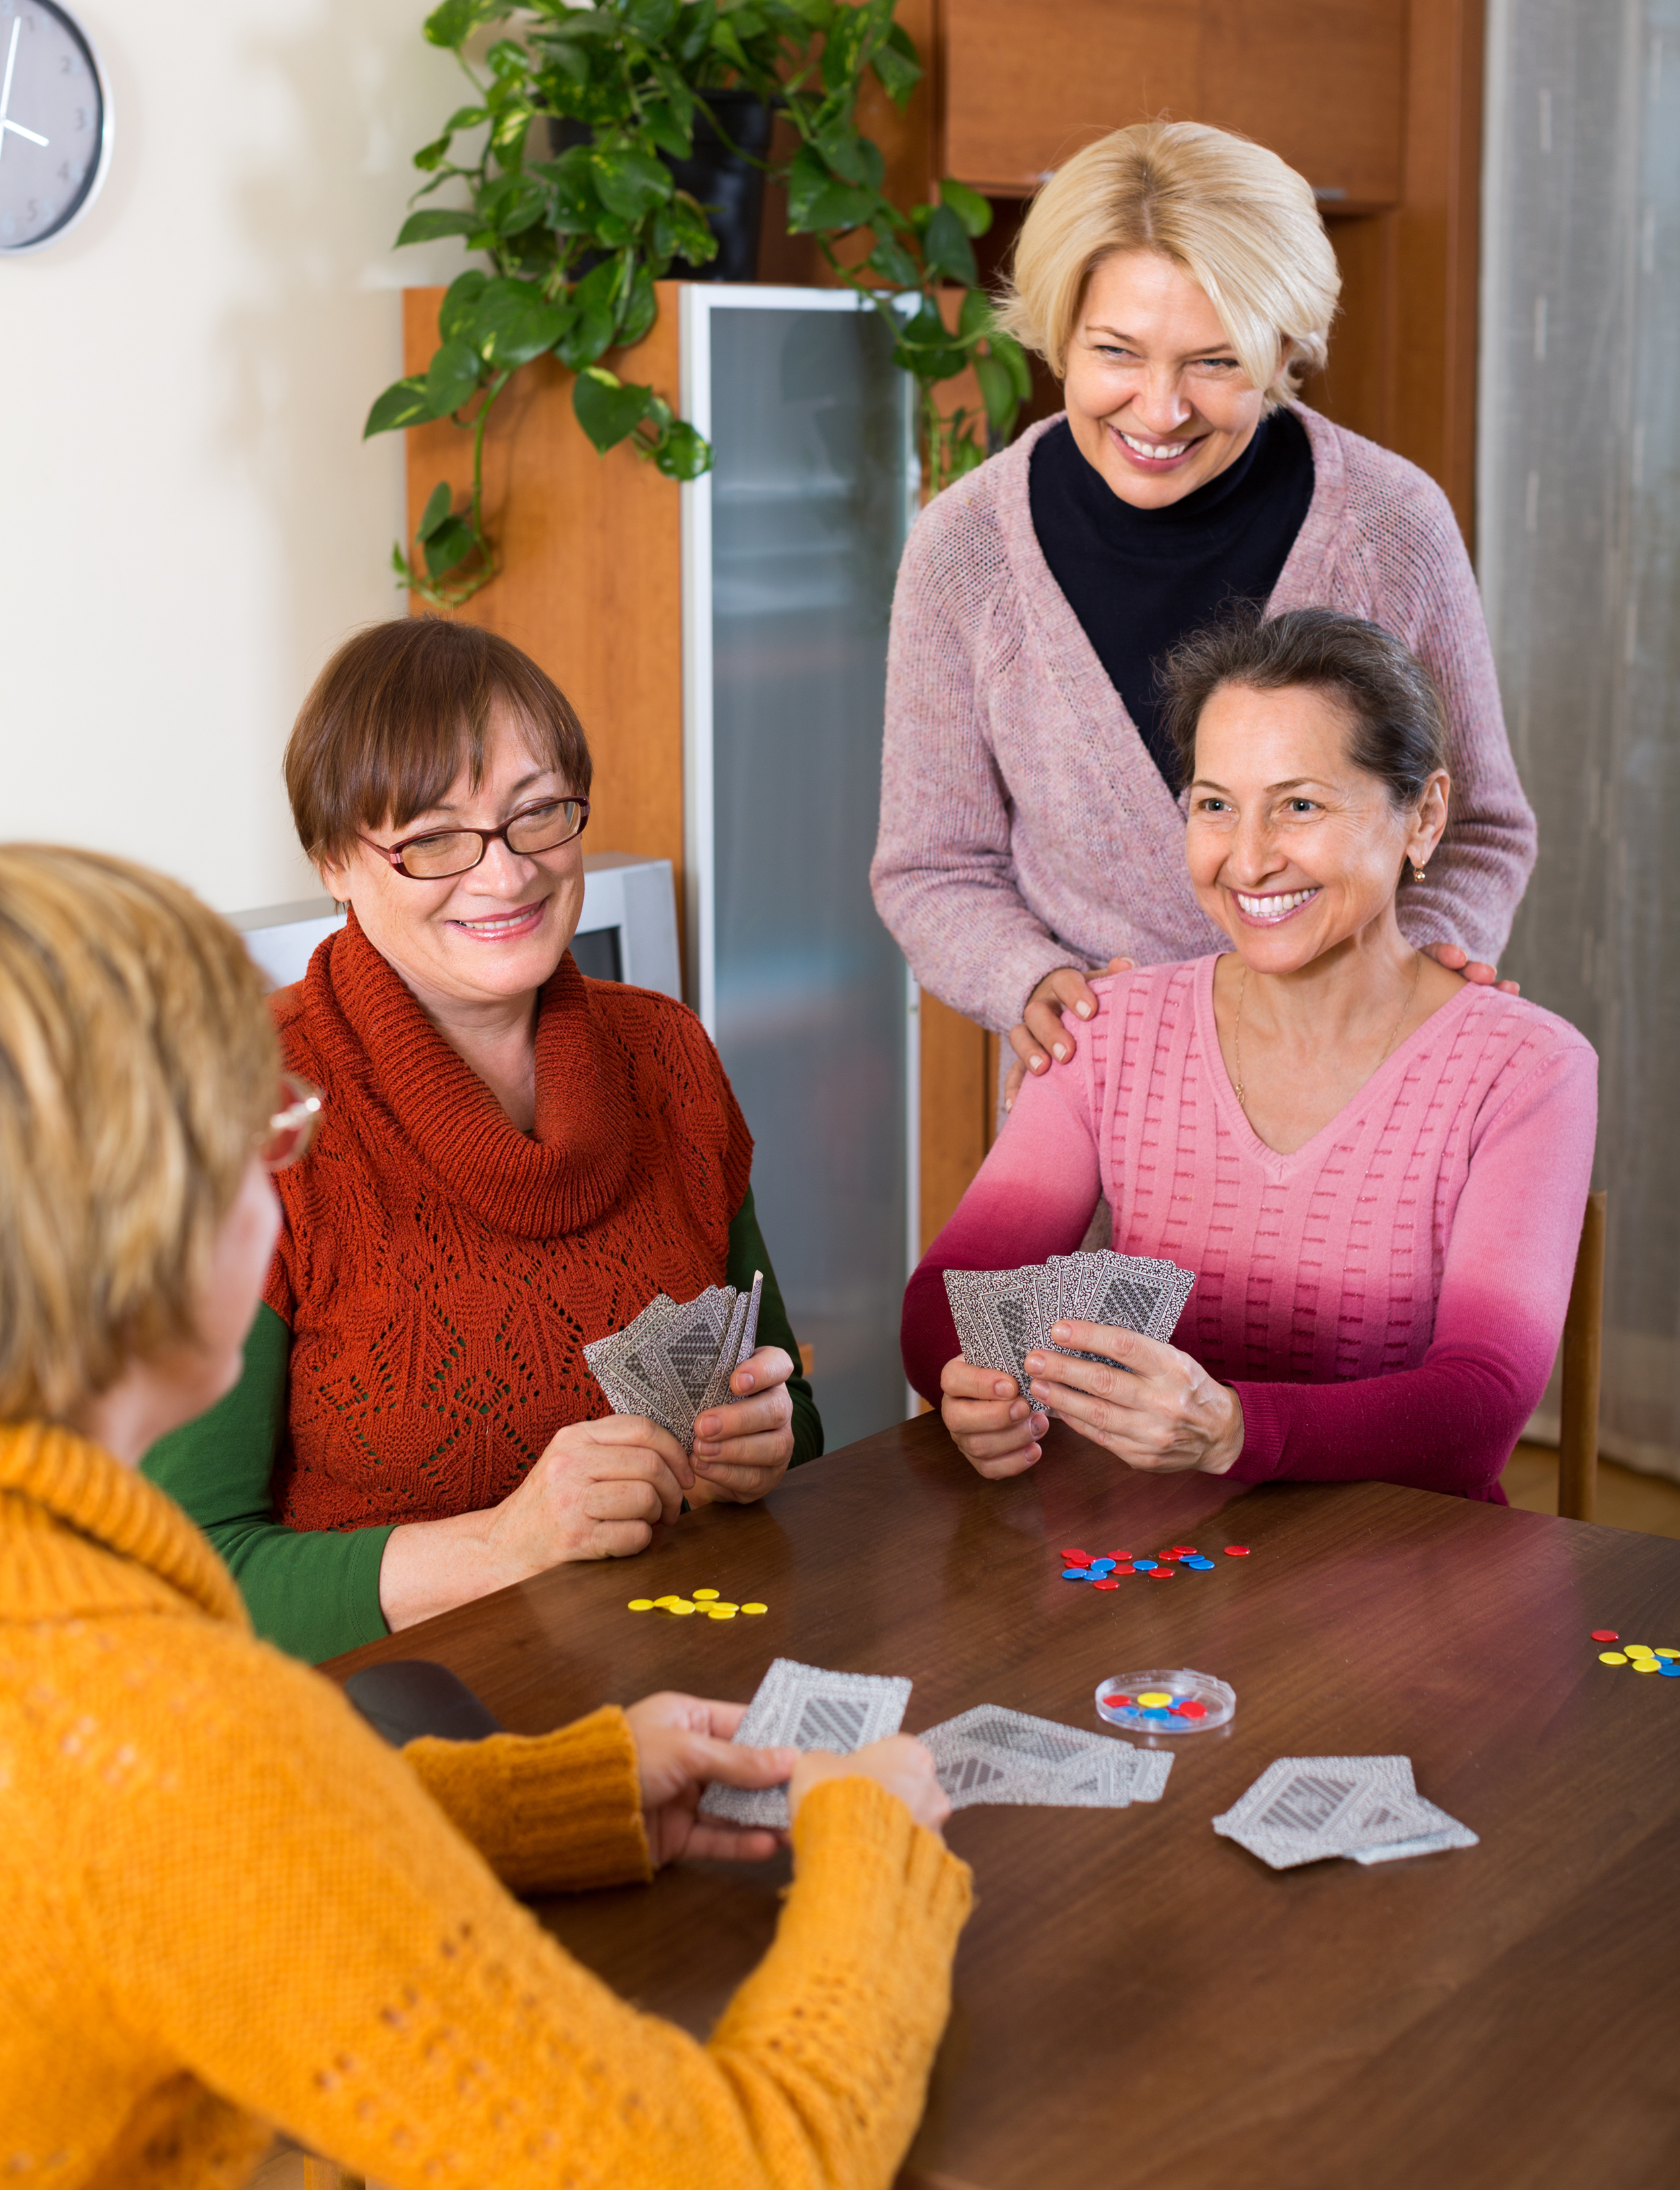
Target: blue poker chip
1102, 1566
1145, 1566
1201, 1566
1076, 1574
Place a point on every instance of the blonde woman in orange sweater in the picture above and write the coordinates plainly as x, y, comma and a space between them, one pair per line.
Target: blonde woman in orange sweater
231, 1909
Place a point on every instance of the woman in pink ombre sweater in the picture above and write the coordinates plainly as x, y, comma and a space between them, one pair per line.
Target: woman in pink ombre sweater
1028, 829
1375, 1169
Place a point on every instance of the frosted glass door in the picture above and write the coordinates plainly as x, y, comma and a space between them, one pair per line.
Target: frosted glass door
805, 992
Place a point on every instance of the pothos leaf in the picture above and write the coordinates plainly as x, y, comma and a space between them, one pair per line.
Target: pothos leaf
947, 250
449, 546
970, 206
404, 403
454, 22
439, 505
451, 376
455, 314
606, 408
997, 392
427, 225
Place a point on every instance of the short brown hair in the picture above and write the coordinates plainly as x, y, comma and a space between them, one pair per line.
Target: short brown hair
138, 1069
1398, 731
397, 713
1232, 215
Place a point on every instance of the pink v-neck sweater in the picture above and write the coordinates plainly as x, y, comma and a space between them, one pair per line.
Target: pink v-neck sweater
1024, 825
1388, 1300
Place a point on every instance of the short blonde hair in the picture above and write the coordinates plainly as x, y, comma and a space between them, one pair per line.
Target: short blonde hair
138, 1068
1241, 224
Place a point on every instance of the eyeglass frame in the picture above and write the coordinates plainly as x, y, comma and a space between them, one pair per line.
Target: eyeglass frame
301, 1116
486, 837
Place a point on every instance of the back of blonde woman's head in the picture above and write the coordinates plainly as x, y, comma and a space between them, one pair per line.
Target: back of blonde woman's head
138, 1068
1243, 225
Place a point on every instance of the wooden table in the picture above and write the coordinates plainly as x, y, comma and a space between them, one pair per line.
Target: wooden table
1137, 2000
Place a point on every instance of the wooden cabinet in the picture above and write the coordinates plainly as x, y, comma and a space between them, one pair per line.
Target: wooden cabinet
1322, 82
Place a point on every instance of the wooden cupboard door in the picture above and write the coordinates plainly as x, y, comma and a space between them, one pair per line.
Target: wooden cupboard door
1027, 82
1319, 83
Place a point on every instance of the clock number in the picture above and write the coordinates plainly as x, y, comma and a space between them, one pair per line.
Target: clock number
81, 117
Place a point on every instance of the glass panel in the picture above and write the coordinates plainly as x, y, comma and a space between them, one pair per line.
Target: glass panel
808, 429
1579, 523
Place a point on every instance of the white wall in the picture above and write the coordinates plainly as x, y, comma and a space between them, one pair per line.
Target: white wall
189, 519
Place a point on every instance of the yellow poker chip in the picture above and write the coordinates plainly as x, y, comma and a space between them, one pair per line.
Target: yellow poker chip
723, 1605
1153, 1698
1613, 1657
720, 1611
682, 1607
700, 1594
755, 1608
641, 1605
1646, 1665
1663, 1653
664, 1604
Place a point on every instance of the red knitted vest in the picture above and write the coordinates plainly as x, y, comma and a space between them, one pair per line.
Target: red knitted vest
440, 1271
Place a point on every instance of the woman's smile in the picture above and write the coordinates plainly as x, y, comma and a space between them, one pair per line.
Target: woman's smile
513, 926
1153, 456
1268, 909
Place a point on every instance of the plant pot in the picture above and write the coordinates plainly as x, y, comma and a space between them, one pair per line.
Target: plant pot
729, 186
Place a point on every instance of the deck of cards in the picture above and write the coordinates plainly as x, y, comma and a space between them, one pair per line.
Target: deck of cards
1303, 1808
1003, 1315
676, 1359
803, 1707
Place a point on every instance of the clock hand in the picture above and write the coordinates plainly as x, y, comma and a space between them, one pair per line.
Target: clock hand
6, 93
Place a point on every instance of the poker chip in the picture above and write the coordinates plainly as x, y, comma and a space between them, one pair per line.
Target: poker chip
1153, 1702
1236, 1551
1105, 1581
1161, 1573
702, 1595
1605, 1635
755, 1608
641, 1605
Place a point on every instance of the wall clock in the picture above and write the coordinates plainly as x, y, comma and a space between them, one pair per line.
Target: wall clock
55, 125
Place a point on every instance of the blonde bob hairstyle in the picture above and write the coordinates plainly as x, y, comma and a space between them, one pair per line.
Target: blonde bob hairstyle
1244, 226
138, 1068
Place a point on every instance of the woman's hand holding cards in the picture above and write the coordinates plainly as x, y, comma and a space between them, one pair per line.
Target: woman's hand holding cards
741, 1448
995, 1430
1156, 1409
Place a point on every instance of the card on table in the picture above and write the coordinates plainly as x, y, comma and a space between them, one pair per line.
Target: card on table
1303, 1808
1003, 1315
804, 1707
993, 1755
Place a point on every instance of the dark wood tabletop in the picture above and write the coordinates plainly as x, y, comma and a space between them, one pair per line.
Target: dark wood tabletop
1136, 1999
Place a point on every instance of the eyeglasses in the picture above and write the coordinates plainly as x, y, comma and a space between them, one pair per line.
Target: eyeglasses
292, 1128
442, 852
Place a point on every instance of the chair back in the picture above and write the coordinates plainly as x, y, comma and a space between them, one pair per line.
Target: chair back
1583, 1349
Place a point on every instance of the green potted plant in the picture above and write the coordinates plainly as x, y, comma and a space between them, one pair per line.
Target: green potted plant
577, 237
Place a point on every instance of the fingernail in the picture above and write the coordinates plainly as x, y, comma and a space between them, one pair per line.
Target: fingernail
747, 1379
1059, 1331
1084, 1010
1035, 1065
1061, 1054
1009, 1106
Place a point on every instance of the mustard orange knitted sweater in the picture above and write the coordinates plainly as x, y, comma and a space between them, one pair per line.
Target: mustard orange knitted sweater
230, 1909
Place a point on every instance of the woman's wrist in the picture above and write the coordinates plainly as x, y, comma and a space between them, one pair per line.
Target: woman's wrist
431, 1567
1226, 1449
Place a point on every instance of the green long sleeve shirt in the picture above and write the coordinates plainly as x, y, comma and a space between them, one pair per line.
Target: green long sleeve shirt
316, 1591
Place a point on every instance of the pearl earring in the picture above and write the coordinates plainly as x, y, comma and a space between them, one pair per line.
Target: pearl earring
1417, 873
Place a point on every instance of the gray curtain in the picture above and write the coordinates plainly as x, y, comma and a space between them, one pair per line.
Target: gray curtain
1579, 551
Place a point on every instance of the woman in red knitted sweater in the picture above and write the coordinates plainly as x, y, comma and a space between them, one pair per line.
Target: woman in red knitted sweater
513, 1160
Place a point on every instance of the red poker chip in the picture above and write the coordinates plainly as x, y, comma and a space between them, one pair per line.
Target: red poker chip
1180, 1551
1189, 1708
1236, 1551
1107, 1582
1605, 1635
1120, 1554
1117, 1702
1127, 1568
1084, 1557
1162, 1574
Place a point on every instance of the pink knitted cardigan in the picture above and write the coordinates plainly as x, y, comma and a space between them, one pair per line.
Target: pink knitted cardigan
1024, 825
1386, 1301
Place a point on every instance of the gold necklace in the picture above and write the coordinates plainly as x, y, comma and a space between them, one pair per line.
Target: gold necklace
1236, 1032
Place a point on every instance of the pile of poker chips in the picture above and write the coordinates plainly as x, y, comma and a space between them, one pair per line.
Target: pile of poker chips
711, 1602
1639, 1655
1103, 1572
1157, 1706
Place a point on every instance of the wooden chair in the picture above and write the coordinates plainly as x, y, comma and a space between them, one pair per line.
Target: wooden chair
1583, 1349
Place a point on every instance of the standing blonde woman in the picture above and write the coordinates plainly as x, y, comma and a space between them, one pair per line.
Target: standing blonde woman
231, 1909
1180, 282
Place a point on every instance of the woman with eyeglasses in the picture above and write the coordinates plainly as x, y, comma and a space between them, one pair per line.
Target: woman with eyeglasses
513, 1162
230, 1908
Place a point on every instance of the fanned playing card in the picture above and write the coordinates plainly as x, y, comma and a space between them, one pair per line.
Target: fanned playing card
676, 1359
990, 1755
1003, 1315
1303, 1808
804, 1707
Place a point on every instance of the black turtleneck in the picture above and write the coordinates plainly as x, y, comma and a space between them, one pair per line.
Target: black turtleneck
1140, 580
